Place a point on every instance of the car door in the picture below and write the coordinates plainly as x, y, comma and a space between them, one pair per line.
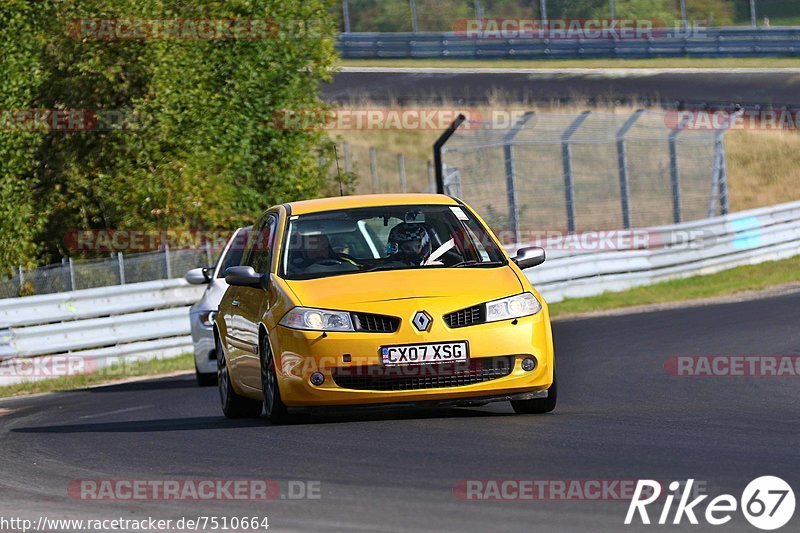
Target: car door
254, 302
228, 306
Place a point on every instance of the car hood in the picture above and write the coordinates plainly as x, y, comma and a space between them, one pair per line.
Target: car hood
372, 291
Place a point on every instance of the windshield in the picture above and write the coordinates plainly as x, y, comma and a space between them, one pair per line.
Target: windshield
386, 238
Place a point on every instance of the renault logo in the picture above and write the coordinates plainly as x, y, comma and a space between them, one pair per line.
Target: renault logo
422, 321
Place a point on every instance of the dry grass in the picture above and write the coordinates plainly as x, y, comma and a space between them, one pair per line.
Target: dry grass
763, 168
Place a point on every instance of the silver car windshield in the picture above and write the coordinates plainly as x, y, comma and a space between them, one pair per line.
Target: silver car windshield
386, 238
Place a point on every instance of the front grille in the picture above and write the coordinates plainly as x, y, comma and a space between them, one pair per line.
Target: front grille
402, 378
466, 317
375, 323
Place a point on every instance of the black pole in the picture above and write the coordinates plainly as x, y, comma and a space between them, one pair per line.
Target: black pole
437, 151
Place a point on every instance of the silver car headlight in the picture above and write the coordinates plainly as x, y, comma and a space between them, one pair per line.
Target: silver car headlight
310, 319
524, 304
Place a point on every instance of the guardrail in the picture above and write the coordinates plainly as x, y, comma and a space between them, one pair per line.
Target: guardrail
712, 42
98, 328
704, 247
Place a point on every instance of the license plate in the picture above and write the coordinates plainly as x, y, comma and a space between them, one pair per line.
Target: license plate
419, 354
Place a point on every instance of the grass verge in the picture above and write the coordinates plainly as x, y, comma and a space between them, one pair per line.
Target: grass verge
726, 283
663, 62
144, 368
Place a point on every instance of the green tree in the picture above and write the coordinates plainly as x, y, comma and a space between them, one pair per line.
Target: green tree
20, 78
205, 152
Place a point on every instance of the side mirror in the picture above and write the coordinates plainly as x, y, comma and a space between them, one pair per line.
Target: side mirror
197, 276
530, 257
245, 276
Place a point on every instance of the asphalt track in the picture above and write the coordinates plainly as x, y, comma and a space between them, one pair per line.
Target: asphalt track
670, 87
621, 416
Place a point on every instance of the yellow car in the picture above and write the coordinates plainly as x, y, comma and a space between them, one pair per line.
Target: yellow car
379, 299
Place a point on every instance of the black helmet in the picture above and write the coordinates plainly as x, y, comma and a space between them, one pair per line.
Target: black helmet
409, 242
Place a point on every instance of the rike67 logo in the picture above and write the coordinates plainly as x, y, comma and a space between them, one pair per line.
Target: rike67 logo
767, 503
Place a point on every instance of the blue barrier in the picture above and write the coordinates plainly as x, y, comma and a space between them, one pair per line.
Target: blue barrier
711, 42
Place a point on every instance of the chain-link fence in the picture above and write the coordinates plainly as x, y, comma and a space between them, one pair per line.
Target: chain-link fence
443, 15
118, 269
586, 171
380, 171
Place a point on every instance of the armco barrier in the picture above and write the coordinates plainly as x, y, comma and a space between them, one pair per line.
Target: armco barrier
150, 320
710, 42
138, 321
742, 238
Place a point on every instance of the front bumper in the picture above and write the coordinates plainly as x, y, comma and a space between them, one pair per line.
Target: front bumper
205, 356
302, 353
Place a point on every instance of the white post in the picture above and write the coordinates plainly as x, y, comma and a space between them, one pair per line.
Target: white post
166, 258
121, 262
72, 287
346, 16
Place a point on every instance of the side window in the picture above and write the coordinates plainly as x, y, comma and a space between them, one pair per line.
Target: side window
261, 246
233, 257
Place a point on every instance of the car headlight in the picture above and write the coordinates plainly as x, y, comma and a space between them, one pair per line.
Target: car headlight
524, 304
207, 318
317, 320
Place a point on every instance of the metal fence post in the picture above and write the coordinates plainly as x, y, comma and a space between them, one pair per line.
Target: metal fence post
722, 179
65, 274
437, 152
683, 15
209, 256
348, 158
121, 261
622, 161
753, 15
72, 284
478, 10
412, 4
674, 174
21, 276
166, 261
401, 165
543, 11
566, 161
373, 168
346, 15
511, 171
613, 9
431, 177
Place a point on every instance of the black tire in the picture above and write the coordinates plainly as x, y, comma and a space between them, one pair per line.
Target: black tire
274, 408
205, 379
233, 405
538, 406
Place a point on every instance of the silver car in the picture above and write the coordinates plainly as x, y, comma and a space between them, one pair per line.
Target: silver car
201, 314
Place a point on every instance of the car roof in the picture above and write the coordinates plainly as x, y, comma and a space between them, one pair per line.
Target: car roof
305, 207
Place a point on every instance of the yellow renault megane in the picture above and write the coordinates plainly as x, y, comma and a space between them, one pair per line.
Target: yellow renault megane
402, 298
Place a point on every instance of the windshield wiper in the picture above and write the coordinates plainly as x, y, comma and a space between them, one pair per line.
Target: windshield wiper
473, 262
387, 267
